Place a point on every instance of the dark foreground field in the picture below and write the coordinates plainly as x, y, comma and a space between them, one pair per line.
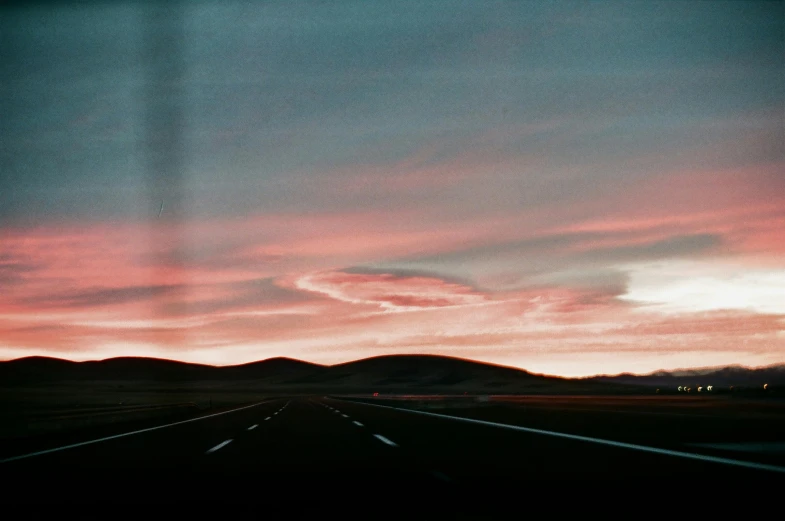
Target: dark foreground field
724, 426
39, 409
400, 447
282, 434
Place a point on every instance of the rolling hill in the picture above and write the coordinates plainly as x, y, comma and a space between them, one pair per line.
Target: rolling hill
390, 374
735, 375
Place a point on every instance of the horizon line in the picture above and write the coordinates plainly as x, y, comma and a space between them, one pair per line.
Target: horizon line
599, 375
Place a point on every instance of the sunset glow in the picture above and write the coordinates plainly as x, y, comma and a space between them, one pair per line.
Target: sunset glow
504, 193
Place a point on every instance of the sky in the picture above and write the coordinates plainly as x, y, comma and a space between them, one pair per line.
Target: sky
572, 188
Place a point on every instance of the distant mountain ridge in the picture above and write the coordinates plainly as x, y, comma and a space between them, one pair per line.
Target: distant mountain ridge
388, 373
732, 375
130, 368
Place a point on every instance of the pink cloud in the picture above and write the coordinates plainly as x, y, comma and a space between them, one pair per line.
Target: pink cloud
681, 195
188, 291
525, 328
390, 292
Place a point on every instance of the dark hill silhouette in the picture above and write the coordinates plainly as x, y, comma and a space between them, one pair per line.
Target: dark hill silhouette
389, 373
39, 362
279, 369
429, 370
35, 369
138, 368
734, 375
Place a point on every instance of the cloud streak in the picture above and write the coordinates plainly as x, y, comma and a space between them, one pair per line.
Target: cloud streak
390, 292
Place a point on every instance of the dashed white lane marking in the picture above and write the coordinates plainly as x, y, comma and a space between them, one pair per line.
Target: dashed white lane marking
344, 416
267, 418
385, 440
599, 441
357, 423
219, 446
252, 427
47, 451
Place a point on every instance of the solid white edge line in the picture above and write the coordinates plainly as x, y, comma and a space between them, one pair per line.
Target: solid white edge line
385, 440
599, 441
219, 446
80, 444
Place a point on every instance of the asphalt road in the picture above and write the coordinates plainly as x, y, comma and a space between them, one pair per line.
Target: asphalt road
312, 443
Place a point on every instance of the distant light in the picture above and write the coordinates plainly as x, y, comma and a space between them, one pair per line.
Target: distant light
765, 386
708, 387
680, 388
658, 391
700, 389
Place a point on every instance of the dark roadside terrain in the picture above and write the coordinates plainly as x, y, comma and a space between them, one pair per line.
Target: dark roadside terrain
316, 438
40, 394
217, 439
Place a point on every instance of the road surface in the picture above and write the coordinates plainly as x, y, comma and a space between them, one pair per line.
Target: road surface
319, 442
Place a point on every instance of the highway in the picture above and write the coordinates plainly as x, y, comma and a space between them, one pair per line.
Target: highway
317, 442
